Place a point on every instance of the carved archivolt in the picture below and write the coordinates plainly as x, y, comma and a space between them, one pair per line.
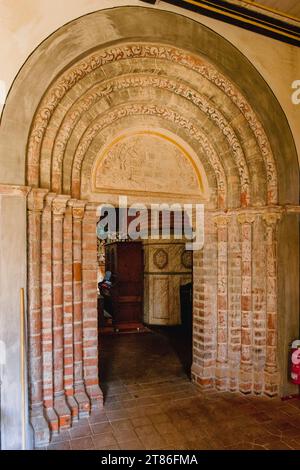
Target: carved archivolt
99, 91
148, 110
158, 52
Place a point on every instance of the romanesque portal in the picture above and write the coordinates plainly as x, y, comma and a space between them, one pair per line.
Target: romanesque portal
98, 112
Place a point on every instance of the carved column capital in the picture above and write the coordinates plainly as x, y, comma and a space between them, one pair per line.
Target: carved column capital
271, 218
221, 220
49, 199
35, 199
245, 218
78, 208
59, 204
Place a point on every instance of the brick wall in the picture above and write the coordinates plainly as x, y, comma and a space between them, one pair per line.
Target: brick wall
62, 309
234, 307
235, 303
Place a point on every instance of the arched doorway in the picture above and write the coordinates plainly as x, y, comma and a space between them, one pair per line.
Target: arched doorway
196, 87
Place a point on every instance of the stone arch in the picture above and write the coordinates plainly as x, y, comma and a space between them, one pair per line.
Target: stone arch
199, 86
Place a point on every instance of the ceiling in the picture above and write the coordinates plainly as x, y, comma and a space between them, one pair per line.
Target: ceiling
287, 7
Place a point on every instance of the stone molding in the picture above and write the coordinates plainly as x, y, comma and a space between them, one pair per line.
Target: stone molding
158, 51
35, 199
59, 205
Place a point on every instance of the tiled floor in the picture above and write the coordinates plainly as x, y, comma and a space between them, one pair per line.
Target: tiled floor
151, 404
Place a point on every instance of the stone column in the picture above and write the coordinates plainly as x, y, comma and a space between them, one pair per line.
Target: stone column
80, 392
46, 293
221, 222
60, 405
35, 205
271, 376
89, 307
234, 302
246, 367
204, 309
258, 303
68, 314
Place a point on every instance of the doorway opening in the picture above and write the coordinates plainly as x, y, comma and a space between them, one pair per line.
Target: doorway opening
144, 301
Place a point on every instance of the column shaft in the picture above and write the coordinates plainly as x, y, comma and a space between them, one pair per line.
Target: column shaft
89, 306
39, 424
246, 368
80, 391
68, 314
47, 332
61, 408
222, 303
271, 366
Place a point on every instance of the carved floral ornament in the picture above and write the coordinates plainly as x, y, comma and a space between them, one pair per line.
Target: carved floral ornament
221, 220
160, 258
272, 218
59, 205
127, 51
146, 81
149, 110
246, 218
187, 259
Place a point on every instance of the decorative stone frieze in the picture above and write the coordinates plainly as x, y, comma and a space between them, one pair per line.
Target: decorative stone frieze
271, 220
246, 369
221, 222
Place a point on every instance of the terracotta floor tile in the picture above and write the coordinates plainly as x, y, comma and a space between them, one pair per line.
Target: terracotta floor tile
137, 412
160, 418
124, 435
140, 421
134, 444
104, 440
64, 445
146, 430
84, 443
116, 415
164, 428
101, 428
98, 417
80, 431
152, 442
151, 404
173, 437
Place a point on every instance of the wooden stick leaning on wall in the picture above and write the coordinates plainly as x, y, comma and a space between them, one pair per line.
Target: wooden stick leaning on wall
22, 366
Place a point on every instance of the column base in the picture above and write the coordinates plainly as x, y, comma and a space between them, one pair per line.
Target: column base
52, 419
63, 412
221, 381
271, 385
205, 381
73, 405
40, 428
245, 382
83, 402
96, 397
258, 383
233, 383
